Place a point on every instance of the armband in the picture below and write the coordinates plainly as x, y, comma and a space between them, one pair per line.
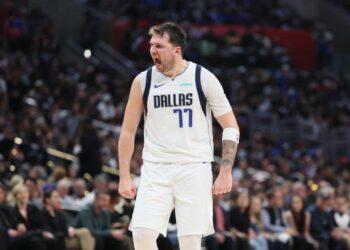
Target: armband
230, 134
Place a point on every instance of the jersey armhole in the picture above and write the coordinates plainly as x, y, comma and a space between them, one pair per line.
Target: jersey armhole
202, 98
147, 88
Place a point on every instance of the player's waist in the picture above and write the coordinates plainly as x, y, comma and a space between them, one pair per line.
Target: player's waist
178, 157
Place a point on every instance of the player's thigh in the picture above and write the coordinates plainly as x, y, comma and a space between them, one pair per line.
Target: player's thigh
193, 199
154, 201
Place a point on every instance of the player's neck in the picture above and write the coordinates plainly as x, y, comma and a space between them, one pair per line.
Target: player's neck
179, 67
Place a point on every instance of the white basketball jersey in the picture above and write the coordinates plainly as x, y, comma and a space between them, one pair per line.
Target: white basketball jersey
178, 120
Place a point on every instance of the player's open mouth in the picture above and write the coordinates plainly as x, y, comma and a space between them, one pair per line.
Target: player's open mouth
157, 61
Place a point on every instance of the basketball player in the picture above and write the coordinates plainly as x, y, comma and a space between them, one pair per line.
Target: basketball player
177, 98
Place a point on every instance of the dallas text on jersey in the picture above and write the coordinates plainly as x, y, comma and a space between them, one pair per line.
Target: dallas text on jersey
172, 100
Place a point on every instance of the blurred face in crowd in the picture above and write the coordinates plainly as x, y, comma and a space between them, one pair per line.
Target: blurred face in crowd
255, 205
100, 183
21, 194
325, 203
34, 187
243, 200
102, 202
163, 53
62, 189
79, 187
342, 205
54, 200
277, 199
297, 204
300, 189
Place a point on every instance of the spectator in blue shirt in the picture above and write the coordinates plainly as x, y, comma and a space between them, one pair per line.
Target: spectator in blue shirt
322, 226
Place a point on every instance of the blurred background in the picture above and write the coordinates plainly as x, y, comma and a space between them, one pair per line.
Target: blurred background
66, 68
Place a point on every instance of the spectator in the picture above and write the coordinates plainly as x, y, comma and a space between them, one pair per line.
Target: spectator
341, 218
64, 236
8, 226
117, 209
299, 220
274, 221
90, 156
66, 201
222, 238
257, 235
12, 234
35, 197
30, 217
79, 193
100, 183
321, 226
240, 221
97, 219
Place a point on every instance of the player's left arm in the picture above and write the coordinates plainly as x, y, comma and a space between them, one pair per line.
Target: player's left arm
230, 139
223, 113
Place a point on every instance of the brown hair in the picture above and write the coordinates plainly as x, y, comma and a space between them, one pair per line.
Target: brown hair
177, 35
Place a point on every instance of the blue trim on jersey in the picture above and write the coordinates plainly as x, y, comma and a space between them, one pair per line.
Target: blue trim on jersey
201, 95
147, 87
210, 134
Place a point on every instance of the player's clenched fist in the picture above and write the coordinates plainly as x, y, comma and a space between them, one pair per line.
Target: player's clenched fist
223, 183
127, 187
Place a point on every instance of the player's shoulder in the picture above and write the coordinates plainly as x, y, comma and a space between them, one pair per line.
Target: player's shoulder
140, 79
143, 74
207, 77
146, 70
205, 72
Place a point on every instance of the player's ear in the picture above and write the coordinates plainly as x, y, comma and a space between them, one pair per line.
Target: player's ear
178, 50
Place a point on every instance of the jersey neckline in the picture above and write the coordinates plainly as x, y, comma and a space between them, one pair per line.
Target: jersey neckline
173, 78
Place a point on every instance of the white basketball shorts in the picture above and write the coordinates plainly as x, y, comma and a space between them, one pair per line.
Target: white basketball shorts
185, 187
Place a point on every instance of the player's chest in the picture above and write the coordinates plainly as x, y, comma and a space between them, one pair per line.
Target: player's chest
168, 86
172, 93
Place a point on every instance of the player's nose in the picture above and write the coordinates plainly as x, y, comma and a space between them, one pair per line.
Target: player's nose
153, 51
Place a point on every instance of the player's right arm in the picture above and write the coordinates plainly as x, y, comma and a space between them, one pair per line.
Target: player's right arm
132, 116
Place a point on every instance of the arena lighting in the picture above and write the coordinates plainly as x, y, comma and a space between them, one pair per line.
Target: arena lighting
87, 53
110, 170
60, 154
50, 164
88, 177
314, 187
12, 168
18, 140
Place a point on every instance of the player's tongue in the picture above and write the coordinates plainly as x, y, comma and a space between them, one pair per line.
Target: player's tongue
157, 61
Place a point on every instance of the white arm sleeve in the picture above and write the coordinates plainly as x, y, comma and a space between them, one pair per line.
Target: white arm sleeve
214, 93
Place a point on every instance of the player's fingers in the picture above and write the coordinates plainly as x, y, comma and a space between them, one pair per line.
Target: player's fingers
217, 190
128, 194
220, 190
133, 190
133, 194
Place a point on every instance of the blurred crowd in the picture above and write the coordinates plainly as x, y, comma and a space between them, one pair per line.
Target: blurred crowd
248, 12
269, 214
48, 101
343, 3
